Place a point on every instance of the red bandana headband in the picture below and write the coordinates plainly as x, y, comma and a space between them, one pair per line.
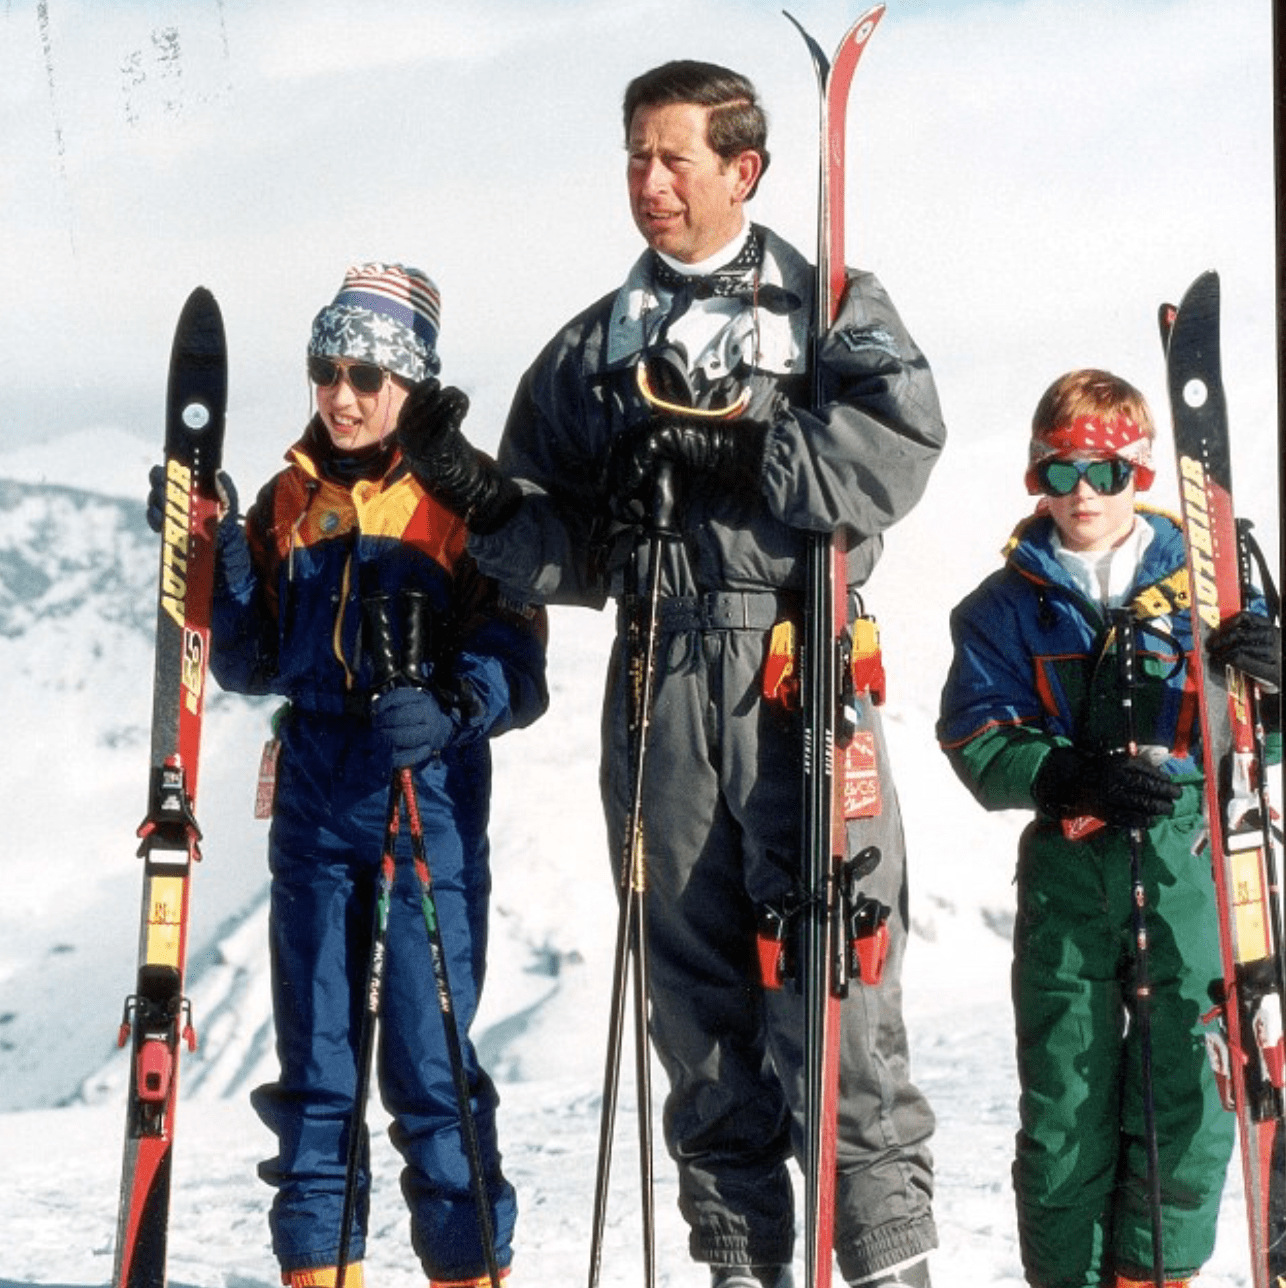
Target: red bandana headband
1095, 436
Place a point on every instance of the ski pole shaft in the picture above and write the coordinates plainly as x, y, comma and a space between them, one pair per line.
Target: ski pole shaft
405, 782
631, 932
1123, 624
366, 1039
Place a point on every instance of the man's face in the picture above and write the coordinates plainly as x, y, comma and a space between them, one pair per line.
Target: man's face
685, 199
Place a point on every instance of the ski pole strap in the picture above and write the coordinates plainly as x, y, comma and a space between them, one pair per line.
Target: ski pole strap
723, 610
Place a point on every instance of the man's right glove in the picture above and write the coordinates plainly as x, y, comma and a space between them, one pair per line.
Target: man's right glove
1123, 792
726, 453
411, 723
428, 431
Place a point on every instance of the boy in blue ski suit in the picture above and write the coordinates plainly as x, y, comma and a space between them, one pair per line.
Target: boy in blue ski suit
1032, 717
344, 534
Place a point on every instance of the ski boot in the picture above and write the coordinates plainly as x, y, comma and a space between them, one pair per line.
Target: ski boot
912, 1274
323, 1276
751, 1277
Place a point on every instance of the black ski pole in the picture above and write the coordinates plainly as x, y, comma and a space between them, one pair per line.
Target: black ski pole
631, 937
404, 782
366, 1040
1250, 555
1123, 625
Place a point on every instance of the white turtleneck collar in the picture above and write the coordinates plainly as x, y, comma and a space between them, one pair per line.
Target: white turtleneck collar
724, 255
1107, 576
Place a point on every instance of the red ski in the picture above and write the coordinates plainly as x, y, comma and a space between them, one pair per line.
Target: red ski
1246, 1042
825, 698
157, 1019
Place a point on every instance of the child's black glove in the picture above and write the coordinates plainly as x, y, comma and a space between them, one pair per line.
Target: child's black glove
428, 431
1122, 792
1249, 643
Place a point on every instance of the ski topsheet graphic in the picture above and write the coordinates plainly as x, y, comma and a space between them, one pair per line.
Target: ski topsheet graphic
1245, 1038
156, 1021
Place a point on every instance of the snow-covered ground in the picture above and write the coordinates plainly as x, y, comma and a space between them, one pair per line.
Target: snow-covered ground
75, 652
1029, 179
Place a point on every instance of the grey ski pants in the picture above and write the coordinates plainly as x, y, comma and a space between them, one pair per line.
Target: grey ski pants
721, 811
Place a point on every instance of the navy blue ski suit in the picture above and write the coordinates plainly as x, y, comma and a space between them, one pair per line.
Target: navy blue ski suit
290, 621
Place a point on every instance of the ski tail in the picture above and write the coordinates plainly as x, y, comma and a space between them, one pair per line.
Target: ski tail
157, 1019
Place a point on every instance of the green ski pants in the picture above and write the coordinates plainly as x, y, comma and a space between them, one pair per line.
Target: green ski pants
1080, 1173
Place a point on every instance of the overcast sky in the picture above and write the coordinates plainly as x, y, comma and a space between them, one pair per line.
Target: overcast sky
1028, 178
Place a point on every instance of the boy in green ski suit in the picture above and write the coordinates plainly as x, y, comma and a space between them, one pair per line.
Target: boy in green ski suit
1033, 717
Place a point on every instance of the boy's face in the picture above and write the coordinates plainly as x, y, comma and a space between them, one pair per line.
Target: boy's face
1089, 520
354, 419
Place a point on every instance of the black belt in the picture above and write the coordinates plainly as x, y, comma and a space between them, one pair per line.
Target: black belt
716, 610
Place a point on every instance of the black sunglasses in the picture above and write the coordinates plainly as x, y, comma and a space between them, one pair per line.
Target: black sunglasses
1107, 477
364, 377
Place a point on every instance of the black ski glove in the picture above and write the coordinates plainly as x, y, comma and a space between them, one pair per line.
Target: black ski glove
1123, 792
1249, 643
728, 453
428, 431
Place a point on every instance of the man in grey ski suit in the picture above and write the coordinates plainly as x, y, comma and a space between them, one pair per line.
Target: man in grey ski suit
718, 308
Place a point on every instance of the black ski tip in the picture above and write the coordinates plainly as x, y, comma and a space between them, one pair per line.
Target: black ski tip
197, 396
821, 63
201, 313
1202, 294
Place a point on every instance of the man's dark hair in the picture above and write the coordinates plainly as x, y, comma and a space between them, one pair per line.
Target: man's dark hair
737, 121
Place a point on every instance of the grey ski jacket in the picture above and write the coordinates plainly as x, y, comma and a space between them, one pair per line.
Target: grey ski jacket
860, 463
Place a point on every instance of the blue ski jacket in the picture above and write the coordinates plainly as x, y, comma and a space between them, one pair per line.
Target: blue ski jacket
290, 619
1034, 667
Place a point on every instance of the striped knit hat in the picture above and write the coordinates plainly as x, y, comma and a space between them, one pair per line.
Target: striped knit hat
387, 314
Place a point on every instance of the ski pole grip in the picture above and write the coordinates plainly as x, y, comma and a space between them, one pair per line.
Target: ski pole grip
379, 639
664, 500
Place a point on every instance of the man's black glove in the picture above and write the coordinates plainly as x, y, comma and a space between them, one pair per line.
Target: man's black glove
1123, 792
728, 453
1249, 643
428, 431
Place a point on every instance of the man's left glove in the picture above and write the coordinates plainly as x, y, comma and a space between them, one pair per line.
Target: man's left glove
411, 723
1249, 643
728, 453
428, 431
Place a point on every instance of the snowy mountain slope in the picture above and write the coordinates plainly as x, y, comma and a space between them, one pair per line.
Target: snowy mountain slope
76, 576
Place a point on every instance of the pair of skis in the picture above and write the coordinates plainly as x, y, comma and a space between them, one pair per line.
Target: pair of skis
825, 702
1246, 1040
157, 1020
824, 964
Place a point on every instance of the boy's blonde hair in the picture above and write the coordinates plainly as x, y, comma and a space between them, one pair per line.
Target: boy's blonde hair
1090, 392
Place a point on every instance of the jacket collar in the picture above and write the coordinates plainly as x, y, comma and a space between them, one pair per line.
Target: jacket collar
639, 309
